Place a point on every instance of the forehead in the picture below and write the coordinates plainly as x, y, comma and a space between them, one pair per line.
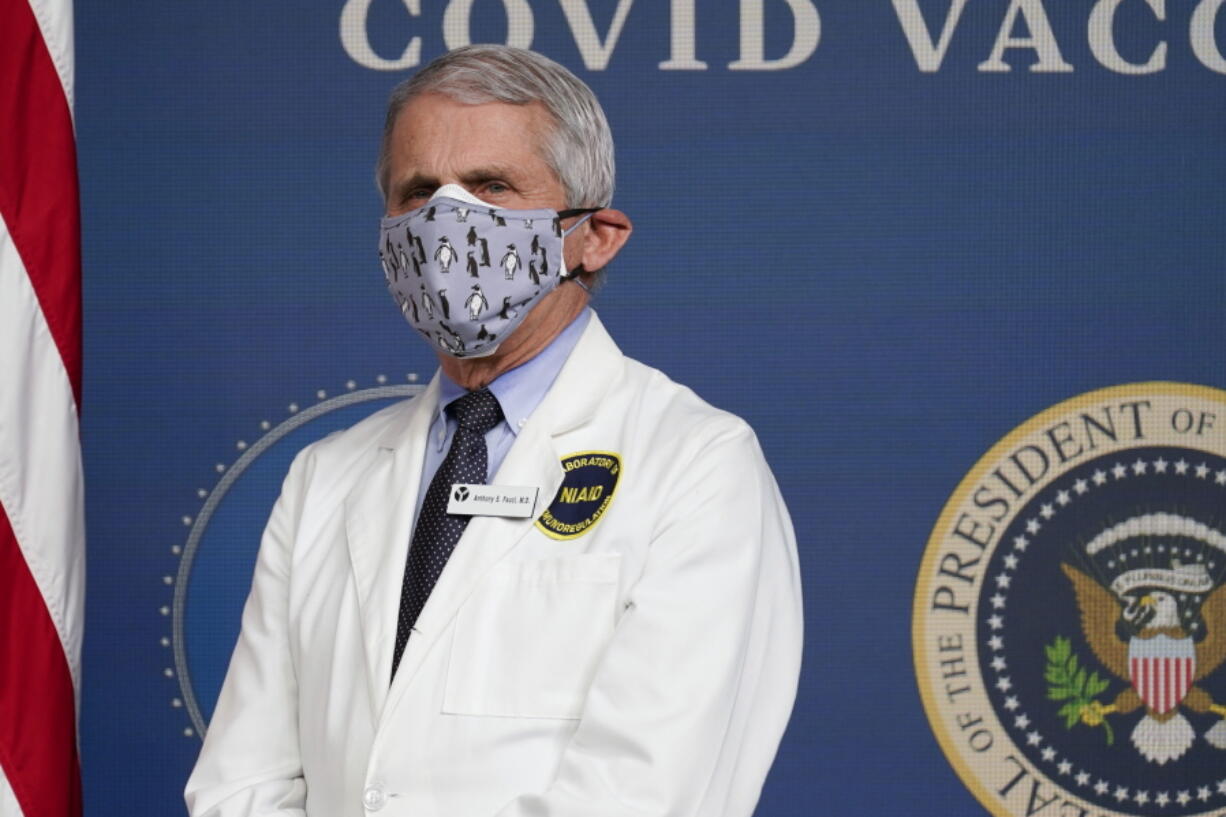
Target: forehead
435, 134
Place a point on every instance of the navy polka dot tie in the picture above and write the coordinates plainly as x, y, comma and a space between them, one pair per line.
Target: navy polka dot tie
437, 531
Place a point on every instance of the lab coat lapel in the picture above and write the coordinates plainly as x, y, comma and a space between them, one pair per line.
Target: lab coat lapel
378, 525
534, 460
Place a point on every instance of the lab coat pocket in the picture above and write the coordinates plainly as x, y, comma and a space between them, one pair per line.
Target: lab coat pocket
528, 640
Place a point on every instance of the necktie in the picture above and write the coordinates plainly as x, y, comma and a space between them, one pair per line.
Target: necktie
437, 531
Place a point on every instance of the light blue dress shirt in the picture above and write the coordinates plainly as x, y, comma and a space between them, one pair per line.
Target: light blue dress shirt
519, 392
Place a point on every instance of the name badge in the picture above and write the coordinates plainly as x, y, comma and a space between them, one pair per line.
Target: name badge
492, 500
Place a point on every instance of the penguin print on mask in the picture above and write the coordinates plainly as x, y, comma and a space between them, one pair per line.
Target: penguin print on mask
451, 341
388, 257
461, 215
445, 255
472, 236
557, 227
421, 253
508, 312
484, 336
510, 262
476, 303
427, 303
430, 214
453, 344
485, 252
442, 300
532, 273
413, 306
416, 267
472, 265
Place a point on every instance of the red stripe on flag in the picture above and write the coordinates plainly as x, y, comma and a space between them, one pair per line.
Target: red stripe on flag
38, 733
38, 179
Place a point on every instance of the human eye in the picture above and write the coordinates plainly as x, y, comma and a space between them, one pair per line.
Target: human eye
495, 188
417, 197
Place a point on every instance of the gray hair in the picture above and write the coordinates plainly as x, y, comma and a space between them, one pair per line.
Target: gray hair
579, 148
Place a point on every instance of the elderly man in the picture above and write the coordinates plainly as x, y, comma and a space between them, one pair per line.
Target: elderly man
556, 583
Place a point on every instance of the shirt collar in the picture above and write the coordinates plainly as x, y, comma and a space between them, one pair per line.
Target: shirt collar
520, 390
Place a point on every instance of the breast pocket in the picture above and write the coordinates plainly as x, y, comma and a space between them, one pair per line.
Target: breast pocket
528, 640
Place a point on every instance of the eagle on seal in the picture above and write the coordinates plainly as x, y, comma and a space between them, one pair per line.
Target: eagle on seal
1139, 634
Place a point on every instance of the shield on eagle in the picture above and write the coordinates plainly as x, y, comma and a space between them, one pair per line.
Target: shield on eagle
1161, 669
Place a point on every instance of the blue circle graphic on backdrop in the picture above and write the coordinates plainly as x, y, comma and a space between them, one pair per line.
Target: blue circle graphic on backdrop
216, 563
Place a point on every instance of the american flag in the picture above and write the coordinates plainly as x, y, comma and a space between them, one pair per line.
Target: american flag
42, 533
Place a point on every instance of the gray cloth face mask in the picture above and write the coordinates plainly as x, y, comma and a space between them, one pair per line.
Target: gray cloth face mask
465, 273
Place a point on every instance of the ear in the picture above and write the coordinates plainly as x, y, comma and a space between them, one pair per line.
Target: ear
602, 237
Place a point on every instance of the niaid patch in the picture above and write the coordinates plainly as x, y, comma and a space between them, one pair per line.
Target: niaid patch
585, 495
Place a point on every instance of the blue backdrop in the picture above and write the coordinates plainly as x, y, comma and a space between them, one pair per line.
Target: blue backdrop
884, 255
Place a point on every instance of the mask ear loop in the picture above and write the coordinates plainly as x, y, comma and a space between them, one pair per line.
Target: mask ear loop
586, 212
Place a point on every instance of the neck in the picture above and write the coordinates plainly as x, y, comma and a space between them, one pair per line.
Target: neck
544, 323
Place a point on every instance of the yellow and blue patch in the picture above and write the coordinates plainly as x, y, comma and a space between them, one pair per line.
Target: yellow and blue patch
585, 495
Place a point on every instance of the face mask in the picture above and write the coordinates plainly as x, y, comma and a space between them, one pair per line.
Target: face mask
465, 273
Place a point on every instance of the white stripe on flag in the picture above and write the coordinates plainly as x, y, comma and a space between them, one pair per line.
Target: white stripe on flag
40, 458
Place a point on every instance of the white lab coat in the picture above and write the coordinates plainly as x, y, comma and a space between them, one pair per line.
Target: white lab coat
645, 668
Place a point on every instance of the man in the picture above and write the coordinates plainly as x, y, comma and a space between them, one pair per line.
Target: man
616, 630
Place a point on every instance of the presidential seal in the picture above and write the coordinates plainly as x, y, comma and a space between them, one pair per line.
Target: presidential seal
1069, 621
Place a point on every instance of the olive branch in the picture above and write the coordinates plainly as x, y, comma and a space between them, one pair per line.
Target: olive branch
1067, 681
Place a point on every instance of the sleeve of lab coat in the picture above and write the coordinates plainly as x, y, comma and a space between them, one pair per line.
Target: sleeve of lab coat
249, 764
690, 700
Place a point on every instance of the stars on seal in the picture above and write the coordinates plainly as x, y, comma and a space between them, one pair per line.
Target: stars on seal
1057, 499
